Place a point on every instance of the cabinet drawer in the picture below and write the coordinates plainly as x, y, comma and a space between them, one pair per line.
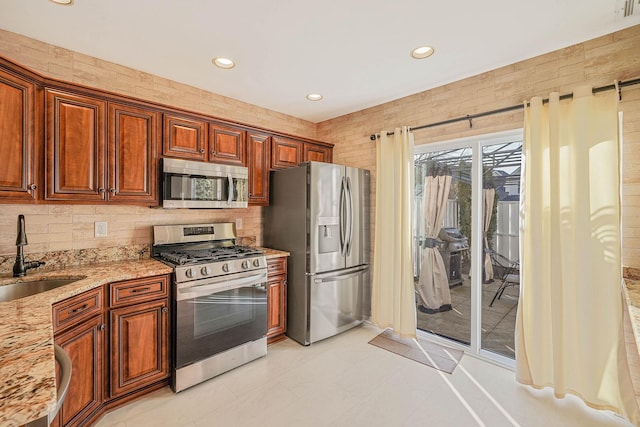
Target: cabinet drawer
138, 290
74, 310
276, 266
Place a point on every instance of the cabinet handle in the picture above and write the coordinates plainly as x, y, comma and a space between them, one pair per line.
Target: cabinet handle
202, 150
213, 152
140, 289
33, 187
82, 307
101, 327
165, 309
100, 190
112, 190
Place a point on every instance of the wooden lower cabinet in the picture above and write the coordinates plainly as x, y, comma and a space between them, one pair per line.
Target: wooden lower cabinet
139, 343
276, 299
85, 345
115, 362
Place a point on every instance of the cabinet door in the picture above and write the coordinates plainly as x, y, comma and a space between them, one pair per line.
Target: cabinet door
85, 345
226, 145
258, 146
276, 299
316, 153
18, 139
184, 137
139, 340
285, 153
133, 138
75, 147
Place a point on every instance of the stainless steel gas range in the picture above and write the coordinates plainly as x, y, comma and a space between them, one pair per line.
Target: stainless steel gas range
219, 300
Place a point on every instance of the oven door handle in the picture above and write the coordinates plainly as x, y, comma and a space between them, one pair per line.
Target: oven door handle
219, 286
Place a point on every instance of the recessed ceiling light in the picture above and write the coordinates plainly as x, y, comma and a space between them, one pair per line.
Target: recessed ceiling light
63, 2
422, 52
221, 62
314, 97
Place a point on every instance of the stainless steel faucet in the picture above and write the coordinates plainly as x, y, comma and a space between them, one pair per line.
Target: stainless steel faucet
20, 267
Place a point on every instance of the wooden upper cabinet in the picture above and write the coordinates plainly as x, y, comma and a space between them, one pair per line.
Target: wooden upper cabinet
19, 132
132, 155
226, 145
258, 156
317, 153
285, 153
75, 147
184, 137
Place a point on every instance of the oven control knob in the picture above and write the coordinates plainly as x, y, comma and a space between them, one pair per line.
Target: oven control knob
256, 263
245, 264
225, 267
205, 271
189, 273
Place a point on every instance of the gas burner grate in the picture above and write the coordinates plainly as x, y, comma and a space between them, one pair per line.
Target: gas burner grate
194, 256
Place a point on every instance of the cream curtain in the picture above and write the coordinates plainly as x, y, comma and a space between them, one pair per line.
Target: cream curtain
569, 320
433, 287
488, 196
393, 296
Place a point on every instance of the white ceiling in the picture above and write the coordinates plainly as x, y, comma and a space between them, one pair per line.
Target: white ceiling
354, 52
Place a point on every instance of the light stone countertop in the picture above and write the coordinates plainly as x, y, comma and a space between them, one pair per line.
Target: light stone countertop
27, 364
632, 288
273, 253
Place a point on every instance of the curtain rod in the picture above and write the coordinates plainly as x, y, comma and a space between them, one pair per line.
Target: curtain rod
470, 117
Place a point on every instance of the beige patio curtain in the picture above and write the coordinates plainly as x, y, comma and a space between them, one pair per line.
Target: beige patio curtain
433, 287
569, 320
488, 196
393, 297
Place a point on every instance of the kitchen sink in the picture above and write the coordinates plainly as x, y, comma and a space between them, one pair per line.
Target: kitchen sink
19, 290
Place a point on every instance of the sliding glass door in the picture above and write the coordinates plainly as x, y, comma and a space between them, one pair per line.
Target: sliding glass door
466, 246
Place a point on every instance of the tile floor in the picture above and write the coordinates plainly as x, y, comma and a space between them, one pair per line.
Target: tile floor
344, 381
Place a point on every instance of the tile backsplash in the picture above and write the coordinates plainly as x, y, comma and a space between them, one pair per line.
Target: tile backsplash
65, 234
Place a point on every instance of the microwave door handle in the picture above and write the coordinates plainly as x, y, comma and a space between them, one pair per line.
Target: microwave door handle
221, 285
230, 197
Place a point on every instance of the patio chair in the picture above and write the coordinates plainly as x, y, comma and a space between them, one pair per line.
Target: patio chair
506, 272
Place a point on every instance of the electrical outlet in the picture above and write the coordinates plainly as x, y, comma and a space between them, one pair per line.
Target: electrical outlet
101, 228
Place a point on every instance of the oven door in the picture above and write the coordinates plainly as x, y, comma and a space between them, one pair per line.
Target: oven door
218, 314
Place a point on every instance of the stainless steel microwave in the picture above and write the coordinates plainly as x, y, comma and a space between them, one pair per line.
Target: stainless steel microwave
191, 184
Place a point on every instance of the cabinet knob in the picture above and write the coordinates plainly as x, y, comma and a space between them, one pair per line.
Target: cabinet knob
101, 327
101, 190
202, 150
33, 187
112, 190
165, 309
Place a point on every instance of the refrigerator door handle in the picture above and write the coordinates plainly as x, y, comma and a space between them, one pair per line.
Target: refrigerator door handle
343, 230
334, 278
349, 217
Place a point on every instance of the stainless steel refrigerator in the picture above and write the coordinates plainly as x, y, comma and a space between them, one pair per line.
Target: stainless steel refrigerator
319, 212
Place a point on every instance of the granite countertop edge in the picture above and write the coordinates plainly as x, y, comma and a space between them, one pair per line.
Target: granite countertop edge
632, 296
27, 363
273, 253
